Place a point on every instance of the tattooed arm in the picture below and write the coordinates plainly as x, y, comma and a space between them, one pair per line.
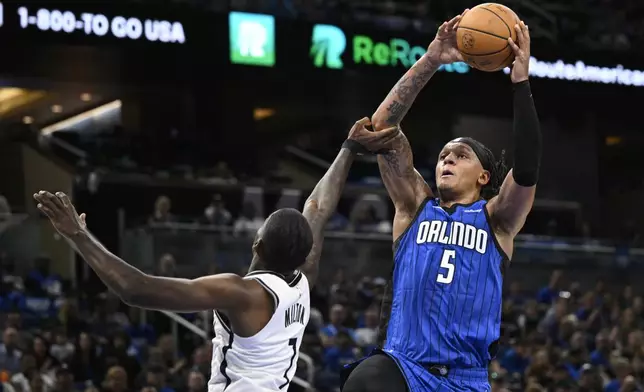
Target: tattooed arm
322, 202
404, 184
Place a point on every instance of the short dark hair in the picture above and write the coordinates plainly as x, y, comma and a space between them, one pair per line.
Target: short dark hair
286, 240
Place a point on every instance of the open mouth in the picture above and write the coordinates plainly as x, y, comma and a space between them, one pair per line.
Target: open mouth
447, 173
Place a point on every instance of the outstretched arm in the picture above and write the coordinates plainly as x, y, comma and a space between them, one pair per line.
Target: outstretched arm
322, 202
134, 287
404, 184
510, 208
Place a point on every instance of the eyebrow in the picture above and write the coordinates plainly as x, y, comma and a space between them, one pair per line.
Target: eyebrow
458, 148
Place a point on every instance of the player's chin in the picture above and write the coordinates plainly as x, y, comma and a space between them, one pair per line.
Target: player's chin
444, 186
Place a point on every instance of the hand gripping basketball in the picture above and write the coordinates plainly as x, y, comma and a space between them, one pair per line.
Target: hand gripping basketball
443, 49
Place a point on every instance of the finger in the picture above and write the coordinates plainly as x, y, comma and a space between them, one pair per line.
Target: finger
519, 32
64, 199
452, 22
82, 218
514, 47
389, 138
526, 34
387, 134
441, 28
45, 210
51, 201
364, 121
460, 19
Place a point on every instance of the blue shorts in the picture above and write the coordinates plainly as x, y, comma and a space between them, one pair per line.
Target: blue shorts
419, 379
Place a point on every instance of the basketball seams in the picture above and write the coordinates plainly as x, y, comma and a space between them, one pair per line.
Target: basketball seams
498, 16
485, 54
484, 32
482, 37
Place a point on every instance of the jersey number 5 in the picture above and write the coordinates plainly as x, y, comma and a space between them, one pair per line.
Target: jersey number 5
447, 263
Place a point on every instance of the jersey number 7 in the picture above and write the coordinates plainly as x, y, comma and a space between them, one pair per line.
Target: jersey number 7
293, 343
447, 263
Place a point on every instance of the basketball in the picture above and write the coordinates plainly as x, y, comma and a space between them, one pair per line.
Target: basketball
482, 36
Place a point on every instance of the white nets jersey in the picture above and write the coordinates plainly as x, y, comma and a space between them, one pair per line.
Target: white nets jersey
266, 361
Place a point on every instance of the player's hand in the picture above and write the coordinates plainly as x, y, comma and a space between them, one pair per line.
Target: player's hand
443, 49
521, 66
61, 213
372, 141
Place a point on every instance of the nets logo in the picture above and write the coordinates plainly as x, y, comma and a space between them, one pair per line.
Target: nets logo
252, 39
327, 46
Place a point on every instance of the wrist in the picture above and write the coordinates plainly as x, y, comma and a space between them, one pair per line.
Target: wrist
523, 85
78, 235
431, 58
353, 147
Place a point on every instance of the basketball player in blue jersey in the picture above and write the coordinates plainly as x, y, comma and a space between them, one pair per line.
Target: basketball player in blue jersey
450, 249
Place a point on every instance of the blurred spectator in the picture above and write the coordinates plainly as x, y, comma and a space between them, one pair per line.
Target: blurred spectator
216, 212
62, 349
248, 222
162, 208
367, 335
337, 318
41, 281
10, 355
64, 380
116, 380
366, 220
5, 209
167, 266
196, 382
45, 362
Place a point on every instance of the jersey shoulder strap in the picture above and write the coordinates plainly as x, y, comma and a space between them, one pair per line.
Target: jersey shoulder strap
284, 290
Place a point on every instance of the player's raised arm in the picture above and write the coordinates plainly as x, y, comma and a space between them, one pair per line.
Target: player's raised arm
404, 184
134, 287
510, 208
322, 202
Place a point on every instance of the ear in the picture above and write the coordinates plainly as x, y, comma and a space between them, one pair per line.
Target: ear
484, 178
257, 246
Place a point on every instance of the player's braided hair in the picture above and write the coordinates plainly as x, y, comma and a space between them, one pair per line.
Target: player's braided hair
498, 172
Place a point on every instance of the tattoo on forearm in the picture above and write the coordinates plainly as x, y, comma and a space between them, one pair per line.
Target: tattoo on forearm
396, 112
399, 162
405, 91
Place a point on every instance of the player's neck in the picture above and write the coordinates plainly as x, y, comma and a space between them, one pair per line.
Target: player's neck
448, 200
258, 265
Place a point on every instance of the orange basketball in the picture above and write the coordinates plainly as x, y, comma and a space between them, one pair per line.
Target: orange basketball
482, 36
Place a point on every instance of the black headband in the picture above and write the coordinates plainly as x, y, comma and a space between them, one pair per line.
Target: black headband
485, 156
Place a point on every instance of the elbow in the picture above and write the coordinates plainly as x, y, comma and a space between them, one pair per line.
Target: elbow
137, 294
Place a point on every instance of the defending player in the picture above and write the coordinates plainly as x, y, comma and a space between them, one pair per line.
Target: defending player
260, 318
450, 251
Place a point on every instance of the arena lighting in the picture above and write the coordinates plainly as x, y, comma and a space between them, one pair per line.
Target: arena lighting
114, 105
27, 120
579, 71
57, 109
86, 97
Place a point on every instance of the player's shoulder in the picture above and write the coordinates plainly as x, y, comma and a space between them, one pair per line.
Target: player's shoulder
277, 281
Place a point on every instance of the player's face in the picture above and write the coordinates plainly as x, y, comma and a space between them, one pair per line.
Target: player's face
458, 169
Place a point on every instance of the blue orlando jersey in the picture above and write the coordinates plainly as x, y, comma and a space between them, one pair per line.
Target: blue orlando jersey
447, 287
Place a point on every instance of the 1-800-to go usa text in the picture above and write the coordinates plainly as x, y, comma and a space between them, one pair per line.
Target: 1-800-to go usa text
101, 25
